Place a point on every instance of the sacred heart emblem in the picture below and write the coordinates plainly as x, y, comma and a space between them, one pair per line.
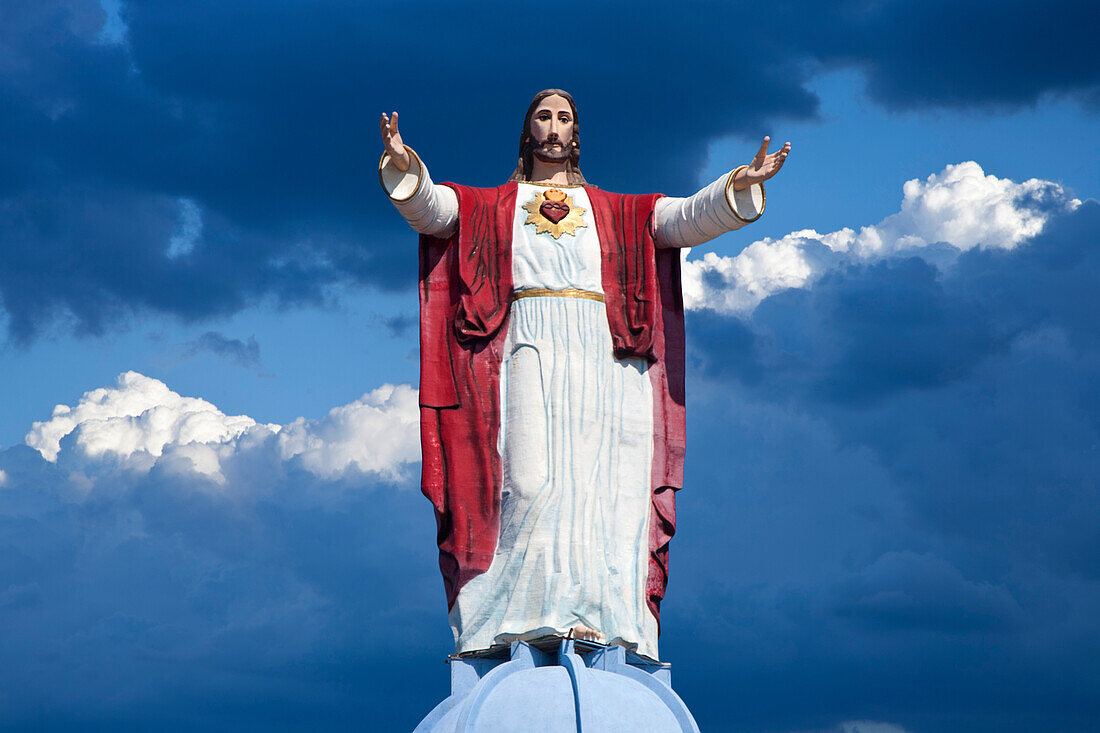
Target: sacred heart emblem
554, 207
553, 212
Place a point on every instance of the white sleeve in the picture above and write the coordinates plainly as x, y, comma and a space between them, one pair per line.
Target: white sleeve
715, 210
429, 208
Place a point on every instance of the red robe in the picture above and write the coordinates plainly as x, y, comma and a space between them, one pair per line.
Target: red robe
465, 291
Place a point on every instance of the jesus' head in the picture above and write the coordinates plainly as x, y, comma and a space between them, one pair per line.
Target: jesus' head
551, 134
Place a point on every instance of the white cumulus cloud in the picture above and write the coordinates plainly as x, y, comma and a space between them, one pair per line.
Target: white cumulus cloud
138, 414
141, 423
959, 209
378, 433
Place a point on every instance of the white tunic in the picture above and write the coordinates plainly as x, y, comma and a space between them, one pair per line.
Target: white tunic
576, 446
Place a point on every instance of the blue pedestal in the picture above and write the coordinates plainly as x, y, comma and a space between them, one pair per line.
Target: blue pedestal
559, 685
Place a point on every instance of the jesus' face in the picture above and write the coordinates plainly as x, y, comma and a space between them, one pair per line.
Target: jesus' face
552, 129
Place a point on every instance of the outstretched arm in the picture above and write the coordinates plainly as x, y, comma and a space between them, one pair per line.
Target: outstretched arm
429, 209
729, 203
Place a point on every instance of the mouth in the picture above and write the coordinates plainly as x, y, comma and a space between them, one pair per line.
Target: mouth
552, 149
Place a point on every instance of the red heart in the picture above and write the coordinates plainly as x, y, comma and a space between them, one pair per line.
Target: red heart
555, 211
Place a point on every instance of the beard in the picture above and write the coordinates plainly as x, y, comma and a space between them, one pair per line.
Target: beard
551, 151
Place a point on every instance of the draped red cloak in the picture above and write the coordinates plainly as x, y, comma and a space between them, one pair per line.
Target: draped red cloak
465, 294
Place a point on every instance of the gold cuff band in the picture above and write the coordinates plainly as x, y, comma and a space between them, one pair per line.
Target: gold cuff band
567, 293
413, 158
729, 199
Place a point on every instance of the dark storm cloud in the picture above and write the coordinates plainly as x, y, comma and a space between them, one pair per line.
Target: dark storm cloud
908, 490
983, 53
241, 353
842, 341
159, 601
262, 116
993, 361
92, 254
905, 591
400, 324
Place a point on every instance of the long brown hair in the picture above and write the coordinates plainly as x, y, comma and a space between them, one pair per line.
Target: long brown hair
527, 143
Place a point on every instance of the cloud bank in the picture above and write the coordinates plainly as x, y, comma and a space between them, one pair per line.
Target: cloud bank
141, 424
898, 473
168, 554
951, 212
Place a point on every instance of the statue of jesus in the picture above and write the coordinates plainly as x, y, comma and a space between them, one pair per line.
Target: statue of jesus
552, 381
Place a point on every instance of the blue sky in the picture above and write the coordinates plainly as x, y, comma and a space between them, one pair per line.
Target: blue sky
890, 512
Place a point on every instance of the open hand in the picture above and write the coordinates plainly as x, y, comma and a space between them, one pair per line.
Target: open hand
762, 167
391, 138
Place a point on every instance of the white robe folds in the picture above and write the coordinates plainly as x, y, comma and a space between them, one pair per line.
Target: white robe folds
576, 446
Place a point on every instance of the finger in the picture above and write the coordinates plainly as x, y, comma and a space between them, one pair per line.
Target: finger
383, 124
393, 122
763, 151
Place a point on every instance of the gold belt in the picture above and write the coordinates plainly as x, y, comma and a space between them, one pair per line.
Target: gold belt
567, 293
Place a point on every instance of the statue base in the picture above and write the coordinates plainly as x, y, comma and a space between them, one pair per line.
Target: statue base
555, 684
